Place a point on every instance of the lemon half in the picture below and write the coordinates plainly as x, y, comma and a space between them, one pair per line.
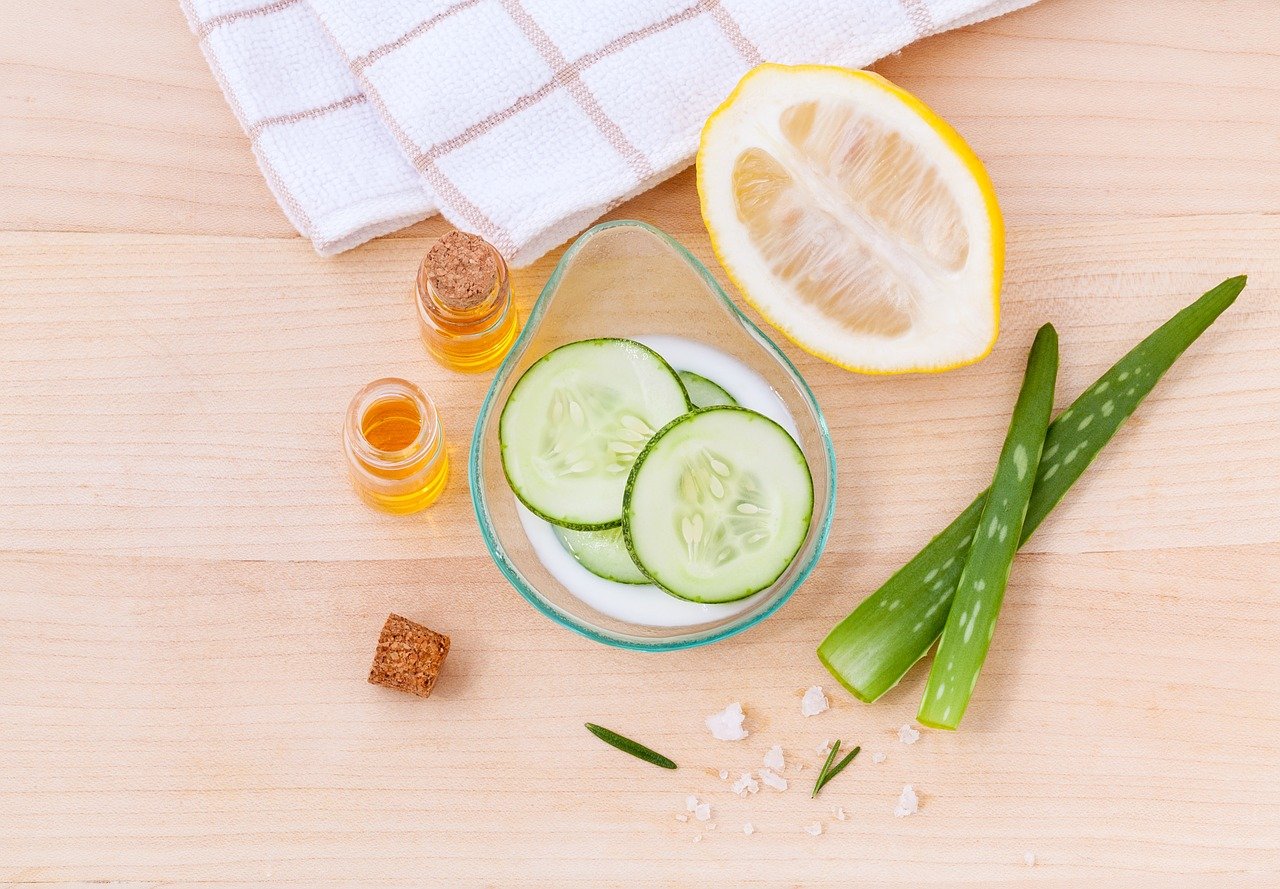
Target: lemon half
854, 219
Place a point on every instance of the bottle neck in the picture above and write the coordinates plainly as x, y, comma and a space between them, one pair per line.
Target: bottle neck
379, 428
446, 313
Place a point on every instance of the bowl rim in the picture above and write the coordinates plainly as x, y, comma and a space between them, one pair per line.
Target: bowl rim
487, 532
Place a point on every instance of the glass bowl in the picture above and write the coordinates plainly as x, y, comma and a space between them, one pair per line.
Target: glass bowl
628, 279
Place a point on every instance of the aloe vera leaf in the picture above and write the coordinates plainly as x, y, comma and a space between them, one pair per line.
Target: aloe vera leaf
873, 648
971, 619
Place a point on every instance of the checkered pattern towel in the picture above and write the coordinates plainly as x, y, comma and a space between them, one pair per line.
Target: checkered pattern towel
519, 120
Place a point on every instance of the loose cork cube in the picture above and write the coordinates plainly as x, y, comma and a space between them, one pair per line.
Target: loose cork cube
409, 656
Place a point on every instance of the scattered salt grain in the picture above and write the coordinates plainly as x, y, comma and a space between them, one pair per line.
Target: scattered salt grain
745, 784
727, 724
703, 812
799, 767
908, 803
825, 747
774, 759
878, 758
724, 774
813, 702
711, 826
697, 838
839, 813
813, 829
908, 734
682, 817
690, 803
748, 828
1029, 859
769, 779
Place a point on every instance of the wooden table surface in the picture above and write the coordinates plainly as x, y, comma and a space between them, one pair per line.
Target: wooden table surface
190, 594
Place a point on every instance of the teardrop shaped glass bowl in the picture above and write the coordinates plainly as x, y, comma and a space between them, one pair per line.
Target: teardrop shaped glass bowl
628, 279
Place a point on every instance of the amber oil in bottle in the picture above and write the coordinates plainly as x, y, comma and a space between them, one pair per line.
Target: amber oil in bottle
465, 310
395, 447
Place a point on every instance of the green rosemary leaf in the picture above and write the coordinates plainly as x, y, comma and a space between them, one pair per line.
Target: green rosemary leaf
838, 768
817, 785
626, 745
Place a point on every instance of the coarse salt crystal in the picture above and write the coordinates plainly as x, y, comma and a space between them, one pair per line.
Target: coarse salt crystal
813, 702
745, 784
748, 828
879, 757
711, 826
774, 759
703, 812
908, 734
769, 779
697, 838
724, 774
1029, 859
825, 747
690, 803
908, 803
682, 817
813, 829
839, 813
727, 724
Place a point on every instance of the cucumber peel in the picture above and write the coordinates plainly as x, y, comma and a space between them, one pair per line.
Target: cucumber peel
703, 392
971, 620
873, 648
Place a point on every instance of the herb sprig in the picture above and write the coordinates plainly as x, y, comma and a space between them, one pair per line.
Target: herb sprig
829, 771
626, 745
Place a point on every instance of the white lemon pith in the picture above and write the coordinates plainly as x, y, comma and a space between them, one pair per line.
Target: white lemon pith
854, 219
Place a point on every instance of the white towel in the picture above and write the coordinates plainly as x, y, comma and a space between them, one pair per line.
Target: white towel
520, 120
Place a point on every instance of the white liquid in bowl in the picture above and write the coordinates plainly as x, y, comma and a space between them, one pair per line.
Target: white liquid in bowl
644, 603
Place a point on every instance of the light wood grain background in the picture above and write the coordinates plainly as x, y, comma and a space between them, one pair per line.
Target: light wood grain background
190, 595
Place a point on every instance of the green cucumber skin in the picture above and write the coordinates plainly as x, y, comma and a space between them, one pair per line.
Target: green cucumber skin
971, 619
597, 569
502, 447
714, 394
631, 478
873, 648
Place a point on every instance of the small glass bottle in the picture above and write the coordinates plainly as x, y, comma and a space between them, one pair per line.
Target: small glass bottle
395, 447
465, 310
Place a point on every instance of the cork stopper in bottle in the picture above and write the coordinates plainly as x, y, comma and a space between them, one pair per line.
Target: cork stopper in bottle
462, 270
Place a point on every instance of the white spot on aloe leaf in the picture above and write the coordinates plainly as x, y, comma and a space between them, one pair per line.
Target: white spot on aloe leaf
1102, 387
937, 695
993, 527
1049, 473
1107, 407
1004, 533
1053, 449
1124, 375
980, 585
1084, 424
1020, 460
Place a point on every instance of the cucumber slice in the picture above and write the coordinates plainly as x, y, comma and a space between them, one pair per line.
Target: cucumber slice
718, 504
603, 553
576, 421
703, 392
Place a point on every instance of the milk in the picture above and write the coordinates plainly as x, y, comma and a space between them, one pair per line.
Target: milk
647, 604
